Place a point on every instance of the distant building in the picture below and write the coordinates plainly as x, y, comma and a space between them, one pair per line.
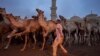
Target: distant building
76, 19
53, 10
92, 18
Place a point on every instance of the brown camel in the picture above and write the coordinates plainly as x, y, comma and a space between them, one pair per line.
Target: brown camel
14, 25
48, 26
4, 30
32, 27
26, 25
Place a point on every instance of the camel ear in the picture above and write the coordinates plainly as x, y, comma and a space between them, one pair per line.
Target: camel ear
32, 16
11, 14
60, 16
37, 9
85, 19
42, 11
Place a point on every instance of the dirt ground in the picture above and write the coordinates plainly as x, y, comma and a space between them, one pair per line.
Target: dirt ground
14, 50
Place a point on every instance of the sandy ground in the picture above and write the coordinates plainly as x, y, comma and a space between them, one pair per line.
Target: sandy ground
14, 50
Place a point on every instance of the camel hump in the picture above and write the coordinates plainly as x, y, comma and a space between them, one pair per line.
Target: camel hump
21, 21
52, 21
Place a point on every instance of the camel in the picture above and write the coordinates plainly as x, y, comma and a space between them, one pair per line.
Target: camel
14, 25
26, 25
47, 26
85, 28
70, 27
4, 30
90, 26
32, 27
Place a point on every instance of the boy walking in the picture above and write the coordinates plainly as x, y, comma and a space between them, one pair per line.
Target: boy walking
59, 39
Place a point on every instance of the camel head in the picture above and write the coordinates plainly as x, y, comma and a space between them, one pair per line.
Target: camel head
62, 18
85, 19
39, 11
40, 14
9, 15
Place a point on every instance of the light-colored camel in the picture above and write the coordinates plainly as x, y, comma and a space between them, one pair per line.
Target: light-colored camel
69, 26
48, 26
89, 26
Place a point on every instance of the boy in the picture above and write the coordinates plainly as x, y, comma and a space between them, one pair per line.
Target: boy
59, 39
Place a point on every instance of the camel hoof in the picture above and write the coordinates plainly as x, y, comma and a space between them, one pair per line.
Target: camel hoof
89, 44
22, 49
6, 47
18, 34
8, 36
33, 48
41, 49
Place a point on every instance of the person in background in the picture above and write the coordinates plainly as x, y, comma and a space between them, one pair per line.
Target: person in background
59, 39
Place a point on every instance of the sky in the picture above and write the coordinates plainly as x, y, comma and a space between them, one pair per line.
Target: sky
67, 8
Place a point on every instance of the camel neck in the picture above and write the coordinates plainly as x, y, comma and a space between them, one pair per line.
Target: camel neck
42, 21
13, 21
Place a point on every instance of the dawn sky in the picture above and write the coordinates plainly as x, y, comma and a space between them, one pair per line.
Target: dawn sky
67, 8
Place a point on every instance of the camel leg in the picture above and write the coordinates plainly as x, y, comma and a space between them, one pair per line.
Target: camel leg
76, 39
12, 33
88, 40
66, 39
29, 41
44, 40
34, 41
10, 37
70, 40
24, 43
80, 38
22, 33
84, 38
3, 43
9, 41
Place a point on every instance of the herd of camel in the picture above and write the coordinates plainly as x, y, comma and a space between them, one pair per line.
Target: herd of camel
83, 32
